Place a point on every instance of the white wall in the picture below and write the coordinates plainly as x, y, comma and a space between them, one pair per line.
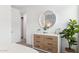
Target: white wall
16, 25
5, 24
62, 13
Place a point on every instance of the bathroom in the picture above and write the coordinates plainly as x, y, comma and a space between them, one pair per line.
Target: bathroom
32, 15
23, 22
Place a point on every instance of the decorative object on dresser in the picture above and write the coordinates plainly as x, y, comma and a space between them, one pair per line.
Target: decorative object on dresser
46, 43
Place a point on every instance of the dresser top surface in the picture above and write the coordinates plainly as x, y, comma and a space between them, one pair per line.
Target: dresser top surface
46, 34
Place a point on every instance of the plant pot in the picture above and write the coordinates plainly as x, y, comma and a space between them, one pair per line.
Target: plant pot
69, 50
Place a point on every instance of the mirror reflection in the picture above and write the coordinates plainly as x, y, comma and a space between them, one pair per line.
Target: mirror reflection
47, 19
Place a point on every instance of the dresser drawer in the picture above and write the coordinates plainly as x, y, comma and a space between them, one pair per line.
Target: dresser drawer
40, 46
49, 43
37, 40
37, 36
49, 38
55, 50
51, 49
55, 39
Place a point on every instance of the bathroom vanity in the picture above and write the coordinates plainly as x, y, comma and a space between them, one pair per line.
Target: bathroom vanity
46, 42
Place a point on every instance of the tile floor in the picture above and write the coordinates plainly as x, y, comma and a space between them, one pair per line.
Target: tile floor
22, 43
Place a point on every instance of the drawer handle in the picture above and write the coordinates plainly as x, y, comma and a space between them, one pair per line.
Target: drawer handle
50, 38
49, 43
38, 46
49, 49
37, 41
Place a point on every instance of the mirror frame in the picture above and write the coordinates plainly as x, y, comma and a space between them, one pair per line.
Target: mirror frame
42, 19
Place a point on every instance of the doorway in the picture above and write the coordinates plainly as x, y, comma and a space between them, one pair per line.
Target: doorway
23, 31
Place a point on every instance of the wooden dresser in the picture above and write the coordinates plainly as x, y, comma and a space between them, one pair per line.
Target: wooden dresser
46, 43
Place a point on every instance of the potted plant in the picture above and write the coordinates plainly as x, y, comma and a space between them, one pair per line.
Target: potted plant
69, 34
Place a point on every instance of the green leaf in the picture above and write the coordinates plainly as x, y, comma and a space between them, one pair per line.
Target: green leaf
77, 26
75, 44
74, 21
61, 32
76, 31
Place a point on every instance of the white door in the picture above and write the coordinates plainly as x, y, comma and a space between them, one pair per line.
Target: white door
16, 25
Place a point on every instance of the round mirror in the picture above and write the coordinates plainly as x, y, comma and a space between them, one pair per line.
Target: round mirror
47, 19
